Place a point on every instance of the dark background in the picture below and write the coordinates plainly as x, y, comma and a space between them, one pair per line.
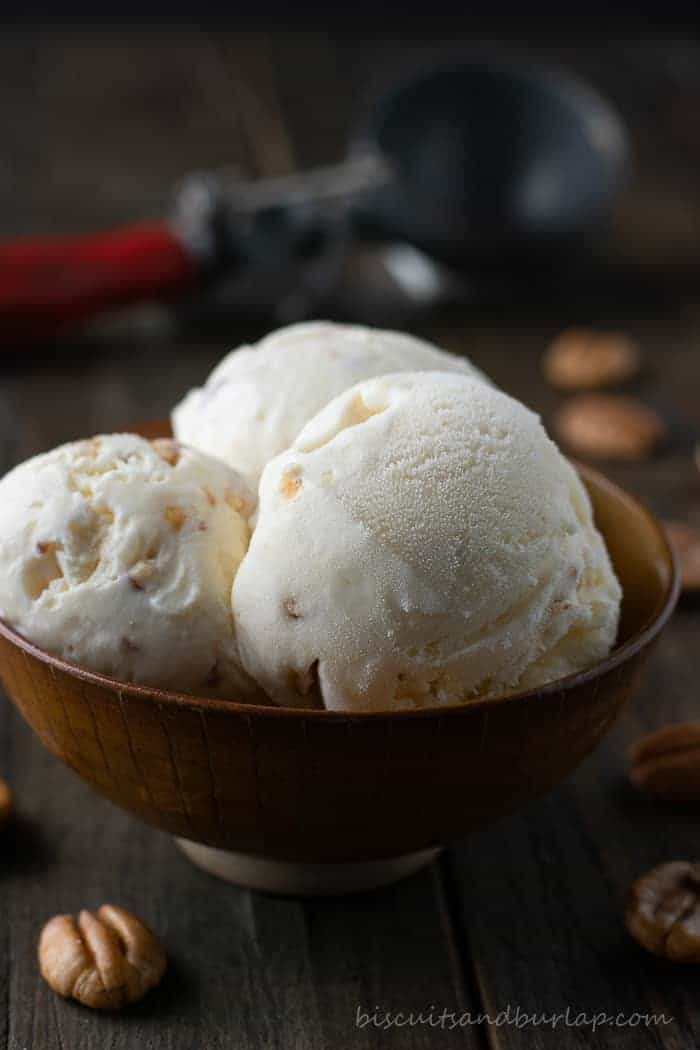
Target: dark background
99, 121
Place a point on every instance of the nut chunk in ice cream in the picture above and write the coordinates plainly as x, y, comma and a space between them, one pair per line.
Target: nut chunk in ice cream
119, 554
422, 542
258, 398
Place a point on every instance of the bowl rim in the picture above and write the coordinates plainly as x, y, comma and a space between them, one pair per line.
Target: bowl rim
619, 656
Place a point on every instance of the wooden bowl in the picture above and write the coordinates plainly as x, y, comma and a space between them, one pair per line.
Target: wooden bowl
314, 801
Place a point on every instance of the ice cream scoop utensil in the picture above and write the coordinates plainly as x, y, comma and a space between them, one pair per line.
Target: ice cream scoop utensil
218, 224
481, 164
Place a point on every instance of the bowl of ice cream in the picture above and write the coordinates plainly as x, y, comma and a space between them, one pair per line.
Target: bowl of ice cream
433, 619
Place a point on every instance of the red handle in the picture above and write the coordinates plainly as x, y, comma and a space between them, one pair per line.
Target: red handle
47, 282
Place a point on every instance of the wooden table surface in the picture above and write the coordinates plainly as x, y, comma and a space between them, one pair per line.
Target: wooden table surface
527, 914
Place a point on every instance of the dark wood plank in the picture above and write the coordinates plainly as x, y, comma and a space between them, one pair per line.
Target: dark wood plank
541, 895
246, 970
527, 912
103, 125
537, 895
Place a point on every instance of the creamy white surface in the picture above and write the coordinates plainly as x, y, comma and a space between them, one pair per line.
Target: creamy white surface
258, 398
421, 542
113, 557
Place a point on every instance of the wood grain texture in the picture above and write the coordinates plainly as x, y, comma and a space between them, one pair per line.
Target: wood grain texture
98, 125
319, 786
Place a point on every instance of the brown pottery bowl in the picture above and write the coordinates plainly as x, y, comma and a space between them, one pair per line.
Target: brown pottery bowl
313, 801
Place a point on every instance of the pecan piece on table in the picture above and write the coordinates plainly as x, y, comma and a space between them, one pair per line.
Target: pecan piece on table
104, 960
666, 763
663, 911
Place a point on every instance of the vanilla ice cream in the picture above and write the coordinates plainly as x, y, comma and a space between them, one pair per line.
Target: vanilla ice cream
258, 398
119, 554
422, 542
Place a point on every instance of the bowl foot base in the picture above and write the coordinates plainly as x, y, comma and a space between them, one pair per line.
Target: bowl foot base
304, 879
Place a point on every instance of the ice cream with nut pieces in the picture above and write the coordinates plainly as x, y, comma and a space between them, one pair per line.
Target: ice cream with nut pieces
119, 554
258, 398
422, 542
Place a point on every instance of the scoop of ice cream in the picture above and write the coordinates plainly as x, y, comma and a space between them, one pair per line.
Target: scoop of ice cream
258, 398
119, 554
423, 541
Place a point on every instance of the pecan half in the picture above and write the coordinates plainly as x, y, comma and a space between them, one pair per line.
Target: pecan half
663, 911
667, 763
606, 426
104, 960
582, 359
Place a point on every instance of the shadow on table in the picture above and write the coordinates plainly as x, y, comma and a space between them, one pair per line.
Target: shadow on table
25, 847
